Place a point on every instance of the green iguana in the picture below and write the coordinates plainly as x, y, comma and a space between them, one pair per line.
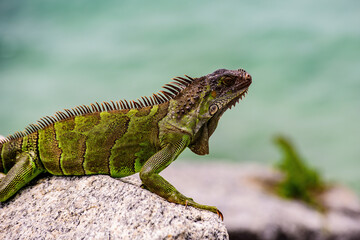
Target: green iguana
122, 138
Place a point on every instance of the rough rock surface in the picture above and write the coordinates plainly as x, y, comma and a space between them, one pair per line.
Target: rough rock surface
252, 212
100, 207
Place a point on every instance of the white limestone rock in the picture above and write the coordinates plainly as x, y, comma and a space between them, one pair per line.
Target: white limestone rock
100, 207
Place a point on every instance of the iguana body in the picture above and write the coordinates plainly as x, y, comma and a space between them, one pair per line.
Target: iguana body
123, 138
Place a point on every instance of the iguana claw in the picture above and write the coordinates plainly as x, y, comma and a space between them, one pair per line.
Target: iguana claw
220, 215
190, 202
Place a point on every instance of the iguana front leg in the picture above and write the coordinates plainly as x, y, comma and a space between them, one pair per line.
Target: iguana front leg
150, 177
19, 175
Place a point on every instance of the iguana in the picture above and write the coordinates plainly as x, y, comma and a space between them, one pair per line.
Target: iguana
125, 137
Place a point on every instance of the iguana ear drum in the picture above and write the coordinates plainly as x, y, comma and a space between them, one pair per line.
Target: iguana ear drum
213, 109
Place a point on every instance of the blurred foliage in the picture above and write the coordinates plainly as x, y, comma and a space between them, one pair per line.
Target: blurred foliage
300, 181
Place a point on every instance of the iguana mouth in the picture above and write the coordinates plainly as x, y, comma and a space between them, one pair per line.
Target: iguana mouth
212, 123
236, 99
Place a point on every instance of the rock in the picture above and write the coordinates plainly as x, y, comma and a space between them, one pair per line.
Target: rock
100, 207
251, 211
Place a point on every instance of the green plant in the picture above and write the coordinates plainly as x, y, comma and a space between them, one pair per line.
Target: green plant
300, 181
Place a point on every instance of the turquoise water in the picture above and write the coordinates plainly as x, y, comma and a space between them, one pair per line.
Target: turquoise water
304, 57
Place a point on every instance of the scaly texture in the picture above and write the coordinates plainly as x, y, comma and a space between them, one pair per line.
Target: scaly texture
122, 138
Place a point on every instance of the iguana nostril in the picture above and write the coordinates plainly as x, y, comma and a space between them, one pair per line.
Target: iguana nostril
247, 76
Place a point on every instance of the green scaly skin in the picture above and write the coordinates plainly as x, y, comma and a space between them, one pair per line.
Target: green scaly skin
123, 138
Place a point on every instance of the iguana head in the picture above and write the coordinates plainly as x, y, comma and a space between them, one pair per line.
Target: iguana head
218, 92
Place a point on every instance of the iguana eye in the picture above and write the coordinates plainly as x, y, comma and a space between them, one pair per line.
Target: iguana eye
228, 81
213, 109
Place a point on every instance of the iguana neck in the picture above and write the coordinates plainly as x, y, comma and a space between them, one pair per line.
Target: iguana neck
185, 111
197, 109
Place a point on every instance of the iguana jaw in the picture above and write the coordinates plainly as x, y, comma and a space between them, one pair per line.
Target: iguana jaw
200, 144
231, 100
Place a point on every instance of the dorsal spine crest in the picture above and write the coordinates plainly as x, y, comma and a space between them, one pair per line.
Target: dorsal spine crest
171, 90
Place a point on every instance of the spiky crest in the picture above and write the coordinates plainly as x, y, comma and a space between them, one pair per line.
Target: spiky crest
172, 89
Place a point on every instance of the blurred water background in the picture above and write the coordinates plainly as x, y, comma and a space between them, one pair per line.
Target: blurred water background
304, 57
